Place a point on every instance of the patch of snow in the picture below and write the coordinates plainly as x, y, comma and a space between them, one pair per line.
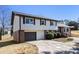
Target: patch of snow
50, 46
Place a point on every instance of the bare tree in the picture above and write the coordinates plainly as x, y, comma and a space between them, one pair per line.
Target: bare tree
66, 21
2, 12
77, 20
4, 19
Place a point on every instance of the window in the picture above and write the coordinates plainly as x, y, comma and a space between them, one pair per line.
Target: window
31, 21
55, 23
42, 22
67, 29
23, 20
64, 29
28, 21
51, 23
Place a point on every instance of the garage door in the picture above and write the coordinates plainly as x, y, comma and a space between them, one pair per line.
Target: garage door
30, 36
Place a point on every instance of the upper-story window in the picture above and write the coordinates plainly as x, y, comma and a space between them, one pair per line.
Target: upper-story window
27, 20
67, 29
51, 23
42, 22
55, 23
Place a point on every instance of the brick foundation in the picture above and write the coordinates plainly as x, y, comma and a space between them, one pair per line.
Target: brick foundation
18, 36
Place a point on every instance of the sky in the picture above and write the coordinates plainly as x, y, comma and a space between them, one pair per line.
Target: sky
58, 12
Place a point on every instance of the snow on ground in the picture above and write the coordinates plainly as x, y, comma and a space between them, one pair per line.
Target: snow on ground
50, 46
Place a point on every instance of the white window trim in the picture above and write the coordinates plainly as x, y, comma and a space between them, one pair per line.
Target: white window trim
29, 20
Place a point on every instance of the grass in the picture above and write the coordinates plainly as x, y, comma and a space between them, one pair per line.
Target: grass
8, 45
63, 39
6, 40
75, 33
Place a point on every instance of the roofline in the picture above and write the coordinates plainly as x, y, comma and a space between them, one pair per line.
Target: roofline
34, 16
59, 21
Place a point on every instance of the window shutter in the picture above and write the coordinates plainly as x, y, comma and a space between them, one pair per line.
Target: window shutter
34, 21
23, 20
56, 23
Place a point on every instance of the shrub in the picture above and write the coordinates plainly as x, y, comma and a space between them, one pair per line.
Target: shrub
58, 34
46, 52
49, 36
5, 32
69, 39
55, 35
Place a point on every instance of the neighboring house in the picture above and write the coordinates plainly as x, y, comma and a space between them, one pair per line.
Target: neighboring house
64, 29
78, 26
7, 30
26, 27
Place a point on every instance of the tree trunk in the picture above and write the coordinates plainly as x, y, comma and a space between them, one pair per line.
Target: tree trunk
0, 37
1, 34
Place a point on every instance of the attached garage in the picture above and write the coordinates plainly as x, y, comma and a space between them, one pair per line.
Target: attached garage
30, 36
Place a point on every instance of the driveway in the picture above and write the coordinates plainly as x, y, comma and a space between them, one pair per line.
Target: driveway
50, 46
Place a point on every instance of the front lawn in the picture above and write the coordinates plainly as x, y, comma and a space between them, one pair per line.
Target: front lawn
63, 39
75, 33
9, 46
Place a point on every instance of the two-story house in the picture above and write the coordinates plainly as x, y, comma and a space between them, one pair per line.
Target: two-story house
27, 27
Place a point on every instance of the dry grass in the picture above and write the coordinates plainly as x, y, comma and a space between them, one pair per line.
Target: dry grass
22, 48
63, 40
8, 45
6, 37
75, 33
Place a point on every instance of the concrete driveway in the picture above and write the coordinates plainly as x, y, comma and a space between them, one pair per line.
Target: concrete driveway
50, 46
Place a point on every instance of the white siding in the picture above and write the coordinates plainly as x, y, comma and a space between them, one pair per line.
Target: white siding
16, 23
39, 29
47, 23
37, 22
37, 26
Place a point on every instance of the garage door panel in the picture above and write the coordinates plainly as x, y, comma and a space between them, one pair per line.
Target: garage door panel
26, 36
30, 36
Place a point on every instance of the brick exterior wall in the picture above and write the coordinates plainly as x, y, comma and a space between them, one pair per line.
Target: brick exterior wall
22, 36
18, 36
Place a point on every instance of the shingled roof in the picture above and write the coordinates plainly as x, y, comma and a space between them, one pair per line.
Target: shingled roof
30, 15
